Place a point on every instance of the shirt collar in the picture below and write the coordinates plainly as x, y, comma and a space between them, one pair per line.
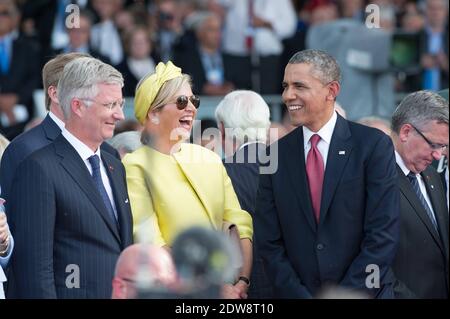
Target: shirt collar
55, 119
325, 133
401, 164
82, 149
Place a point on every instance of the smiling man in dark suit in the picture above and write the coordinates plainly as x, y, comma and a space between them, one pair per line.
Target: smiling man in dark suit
329, 214
76, 218
420, 135
46, 132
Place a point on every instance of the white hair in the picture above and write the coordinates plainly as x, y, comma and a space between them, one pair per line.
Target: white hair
246, 113
126, 141
80, 79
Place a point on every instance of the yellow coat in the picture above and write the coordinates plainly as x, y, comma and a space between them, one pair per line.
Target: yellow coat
169, 194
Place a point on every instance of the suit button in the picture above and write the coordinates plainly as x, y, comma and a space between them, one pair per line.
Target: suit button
320, 246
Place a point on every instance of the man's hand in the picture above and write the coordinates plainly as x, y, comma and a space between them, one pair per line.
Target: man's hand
4, 234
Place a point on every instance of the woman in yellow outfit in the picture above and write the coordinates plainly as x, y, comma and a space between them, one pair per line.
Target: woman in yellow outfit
174, 185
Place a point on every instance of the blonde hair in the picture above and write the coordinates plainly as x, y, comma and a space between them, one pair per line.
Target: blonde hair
168, 90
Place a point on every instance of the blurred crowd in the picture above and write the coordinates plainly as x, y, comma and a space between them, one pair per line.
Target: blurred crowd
227, 44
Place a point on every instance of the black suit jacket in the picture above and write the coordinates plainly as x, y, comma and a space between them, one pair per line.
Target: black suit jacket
22, 79
60, 224
421, 263
27, 143
243, 170
359, 215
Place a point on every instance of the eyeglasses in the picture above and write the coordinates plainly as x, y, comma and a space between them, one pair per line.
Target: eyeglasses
182, 101
434, 146
5, 13
112, 105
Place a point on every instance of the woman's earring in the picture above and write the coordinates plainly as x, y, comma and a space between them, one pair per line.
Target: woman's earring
155, 120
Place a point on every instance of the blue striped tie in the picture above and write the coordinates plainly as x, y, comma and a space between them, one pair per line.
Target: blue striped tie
415, 184
96, 175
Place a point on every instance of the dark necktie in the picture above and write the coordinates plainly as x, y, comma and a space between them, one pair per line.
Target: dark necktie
96, 175
415, 185
315, 172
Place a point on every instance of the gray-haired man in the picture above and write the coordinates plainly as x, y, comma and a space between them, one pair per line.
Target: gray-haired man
420, 135
81, 218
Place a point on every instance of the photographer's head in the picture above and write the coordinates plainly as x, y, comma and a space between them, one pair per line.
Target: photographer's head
142, 266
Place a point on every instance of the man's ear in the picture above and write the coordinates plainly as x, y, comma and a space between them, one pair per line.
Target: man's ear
77, 107
405, 132
119, 289
53, 94
333, 90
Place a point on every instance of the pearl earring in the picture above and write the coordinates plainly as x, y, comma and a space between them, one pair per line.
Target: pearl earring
155, 120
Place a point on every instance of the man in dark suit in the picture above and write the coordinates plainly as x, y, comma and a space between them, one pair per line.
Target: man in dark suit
19, 73
329, 214
243, 118
420, 134
46, 132
204, 61
76, 218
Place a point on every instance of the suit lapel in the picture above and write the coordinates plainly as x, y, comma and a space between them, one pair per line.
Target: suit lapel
440, 211
297, 174
338, 155
76, 168
119, 193
408, 192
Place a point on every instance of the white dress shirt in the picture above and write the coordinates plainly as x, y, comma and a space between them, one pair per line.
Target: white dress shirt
279, 13
422, 187
58, 122
325, 133
85, 152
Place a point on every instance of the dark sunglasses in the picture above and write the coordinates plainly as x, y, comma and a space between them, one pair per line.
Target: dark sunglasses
183, 100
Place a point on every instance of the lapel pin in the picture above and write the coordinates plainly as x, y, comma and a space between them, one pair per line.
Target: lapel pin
432, 186
126, 201
341, 152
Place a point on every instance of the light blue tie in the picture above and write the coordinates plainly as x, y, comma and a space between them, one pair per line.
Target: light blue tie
96, 175
415, 184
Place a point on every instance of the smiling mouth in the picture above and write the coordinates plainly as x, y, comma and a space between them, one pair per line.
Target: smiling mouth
186, 122
293, 108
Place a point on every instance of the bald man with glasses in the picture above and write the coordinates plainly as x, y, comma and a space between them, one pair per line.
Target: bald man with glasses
420, 135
